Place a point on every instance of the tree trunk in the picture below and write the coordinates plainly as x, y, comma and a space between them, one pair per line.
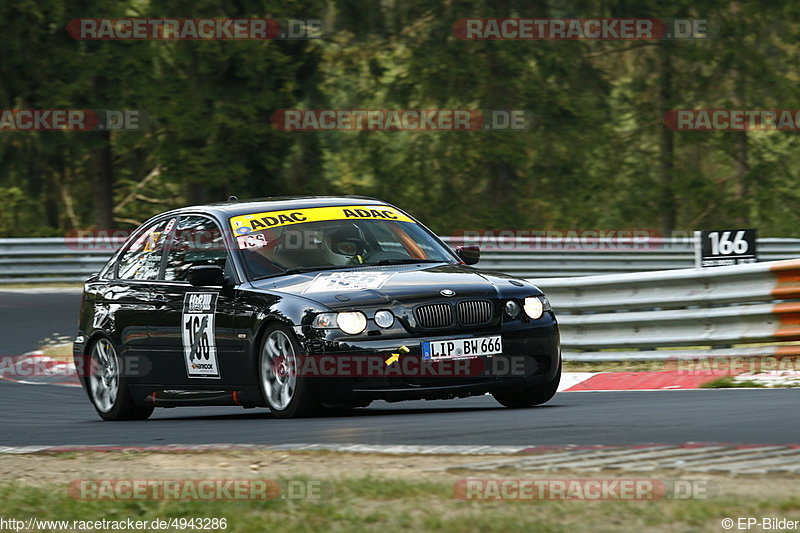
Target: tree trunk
196, 193
741, 185
103, 183
668, 206
741, 149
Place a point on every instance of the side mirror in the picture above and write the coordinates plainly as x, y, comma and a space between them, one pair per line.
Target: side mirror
205, 276
470, 253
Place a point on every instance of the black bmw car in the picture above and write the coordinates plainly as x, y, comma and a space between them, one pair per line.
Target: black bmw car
306, 303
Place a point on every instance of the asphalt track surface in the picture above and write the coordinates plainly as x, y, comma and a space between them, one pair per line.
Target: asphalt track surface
26, 318
52, 415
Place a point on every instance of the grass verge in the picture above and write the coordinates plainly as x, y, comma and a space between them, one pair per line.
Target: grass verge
728, 382
614, 366
382, 504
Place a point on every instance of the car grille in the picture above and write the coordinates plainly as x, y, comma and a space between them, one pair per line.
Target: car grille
474, 312
470, 313
434, 315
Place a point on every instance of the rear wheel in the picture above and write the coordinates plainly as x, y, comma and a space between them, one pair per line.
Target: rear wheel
107, 386
287, 394
534, 395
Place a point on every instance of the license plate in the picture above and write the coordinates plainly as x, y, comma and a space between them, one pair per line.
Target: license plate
453, 348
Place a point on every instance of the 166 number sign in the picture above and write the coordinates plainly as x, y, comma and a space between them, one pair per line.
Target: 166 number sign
725, 247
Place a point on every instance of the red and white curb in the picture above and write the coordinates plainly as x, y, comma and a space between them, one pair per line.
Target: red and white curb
667, 380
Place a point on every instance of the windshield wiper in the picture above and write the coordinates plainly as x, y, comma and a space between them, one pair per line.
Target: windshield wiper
383, 262
300, 270
409, 261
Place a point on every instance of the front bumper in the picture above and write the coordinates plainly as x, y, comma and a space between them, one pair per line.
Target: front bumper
395, 370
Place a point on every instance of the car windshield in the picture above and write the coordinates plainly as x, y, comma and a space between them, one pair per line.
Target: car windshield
323, 238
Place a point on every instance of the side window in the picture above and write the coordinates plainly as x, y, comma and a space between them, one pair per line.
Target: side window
197, 241
142, 259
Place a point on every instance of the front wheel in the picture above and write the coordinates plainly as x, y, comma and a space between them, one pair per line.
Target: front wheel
535, 395
287, 394
107, 386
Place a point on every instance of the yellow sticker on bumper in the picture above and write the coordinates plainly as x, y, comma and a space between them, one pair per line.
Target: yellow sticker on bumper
244, 224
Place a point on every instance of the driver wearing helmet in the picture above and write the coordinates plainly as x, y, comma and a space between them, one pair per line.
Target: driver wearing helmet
344, 245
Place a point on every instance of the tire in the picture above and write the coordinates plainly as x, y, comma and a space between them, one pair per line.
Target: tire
286, 394
107, 387
535, 395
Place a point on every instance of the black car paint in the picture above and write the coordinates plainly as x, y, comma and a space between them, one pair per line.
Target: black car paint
142, 318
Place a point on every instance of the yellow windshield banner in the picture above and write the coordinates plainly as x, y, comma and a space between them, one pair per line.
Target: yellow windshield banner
244, 224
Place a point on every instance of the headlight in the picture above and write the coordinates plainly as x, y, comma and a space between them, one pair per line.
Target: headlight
534, 307
352, 323
384, 319
512, 309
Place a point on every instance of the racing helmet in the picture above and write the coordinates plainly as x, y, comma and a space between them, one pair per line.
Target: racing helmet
344, 244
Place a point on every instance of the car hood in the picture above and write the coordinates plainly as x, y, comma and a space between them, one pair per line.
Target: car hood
391, 285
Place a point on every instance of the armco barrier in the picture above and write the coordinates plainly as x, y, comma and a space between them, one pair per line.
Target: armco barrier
661, 314
51, 260
544, 258
681, 313
73, 260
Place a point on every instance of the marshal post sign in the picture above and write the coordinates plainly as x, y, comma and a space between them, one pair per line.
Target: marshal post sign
725, 247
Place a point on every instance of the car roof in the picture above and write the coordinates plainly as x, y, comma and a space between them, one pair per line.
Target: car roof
277, 203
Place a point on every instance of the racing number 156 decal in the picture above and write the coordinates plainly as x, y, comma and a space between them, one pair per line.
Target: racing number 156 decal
199, 343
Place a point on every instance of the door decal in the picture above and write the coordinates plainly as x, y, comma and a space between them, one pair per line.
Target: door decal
199, 335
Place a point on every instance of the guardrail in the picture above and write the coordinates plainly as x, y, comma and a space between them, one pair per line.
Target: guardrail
680, 314
544, 258
71, 260
657, 315
51, 260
